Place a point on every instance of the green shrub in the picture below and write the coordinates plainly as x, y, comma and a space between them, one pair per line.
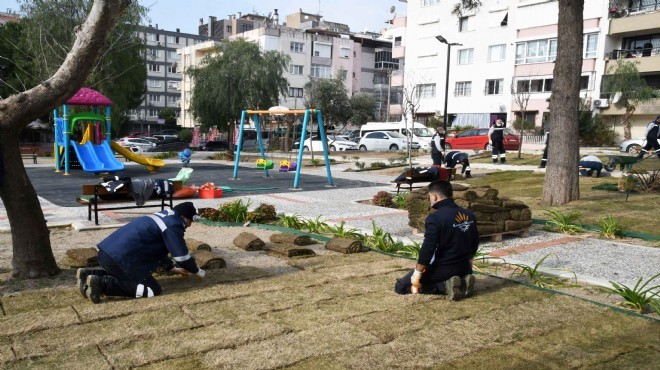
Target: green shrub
609, 227
401, 200
538, 278
236, 211
262, 214
383, 199
377, 165
166, 155
292, 222
564, 223
639, 297
593, 131
360, 165
341, 231
315, 162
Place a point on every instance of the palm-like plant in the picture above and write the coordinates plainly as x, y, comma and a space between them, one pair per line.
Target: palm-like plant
640, 296
567, 223
538, 278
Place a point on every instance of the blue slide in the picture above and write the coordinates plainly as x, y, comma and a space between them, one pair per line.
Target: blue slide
96, 158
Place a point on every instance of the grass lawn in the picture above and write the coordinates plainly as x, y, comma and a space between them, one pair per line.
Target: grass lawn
336, 312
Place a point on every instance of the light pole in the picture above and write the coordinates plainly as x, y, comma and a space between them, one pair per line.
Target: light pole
449, 45
389, 88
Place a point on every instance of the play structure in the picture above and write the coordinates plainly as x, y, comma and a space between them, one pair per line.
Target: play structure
285, 166
93, 150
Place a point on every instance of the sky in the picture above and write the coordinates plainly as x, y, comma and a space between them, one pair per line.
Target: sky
360, 15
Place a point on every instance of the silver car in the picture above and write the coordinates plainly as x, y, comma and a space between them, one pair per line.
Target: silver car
632, 145
383, 140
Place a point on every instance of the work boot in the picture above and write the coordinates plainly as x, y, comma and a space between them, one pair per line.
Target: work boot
453, 288
503, 160
81, 276
94, 290
468, 175
495, 161
467, 283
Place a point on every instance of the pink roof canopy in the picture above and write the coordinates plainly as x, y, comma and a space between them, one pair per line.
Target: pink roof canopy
86, 96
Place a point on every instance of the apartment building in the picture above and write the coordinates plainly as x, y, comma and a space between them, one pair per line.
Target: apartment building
7, 17
191, 56
164, 77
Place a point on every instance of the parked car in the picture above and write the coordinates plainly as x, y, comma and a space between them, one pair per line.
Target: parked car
354, 135
632, 145
165, 137
169, 131
138, 142
169, 145
478, 139
150, 138
383, 140
215, 146
334, 144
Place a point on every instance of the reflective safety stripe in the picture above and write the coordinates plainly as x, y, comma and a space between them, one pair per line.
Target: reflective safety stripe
467, 168
140, 291
494, 156
503, 155
182, 258
159, 222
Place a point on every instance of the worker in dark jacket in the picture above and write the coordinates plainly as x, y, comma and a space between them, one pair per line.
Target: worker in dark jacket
544, 159
496, 141
133, 252
438, 146
450, 242
455, 157
652, 137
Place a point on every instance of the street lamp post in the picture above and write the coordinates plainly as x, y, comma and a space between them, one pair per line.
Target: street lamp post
449, 45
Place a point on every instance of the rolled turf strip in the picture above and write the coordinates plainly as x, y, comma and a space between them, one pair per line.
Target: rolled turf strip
196, 245
288, 238
208, 260
82, 257
288, 250
344, 245
249, 242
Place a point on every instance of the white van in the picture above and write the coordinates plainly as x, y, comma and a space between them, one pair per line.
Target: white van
421, 135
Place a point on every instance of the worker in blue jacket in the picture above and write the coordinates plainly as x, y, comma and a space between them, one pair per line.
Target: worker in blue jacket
455, 157
131, 254
451, 239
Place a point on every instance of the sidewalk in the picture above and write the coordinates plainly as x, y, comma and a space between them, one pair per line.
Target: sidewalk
593, 260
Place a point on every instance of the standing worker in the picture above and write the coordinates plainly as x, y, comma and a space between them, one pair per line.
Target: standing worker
450, 242
455, 157
496, 141
652, 136
133, 252
438, 146
544, 160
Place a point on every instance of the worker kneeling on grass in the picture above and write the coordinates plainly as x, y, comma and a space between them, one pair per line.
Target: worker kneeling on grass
451, 239
131, 254
589, 165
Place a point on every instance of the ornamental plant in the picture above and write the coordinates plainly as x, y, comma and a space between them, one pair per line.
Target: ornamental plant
383, 199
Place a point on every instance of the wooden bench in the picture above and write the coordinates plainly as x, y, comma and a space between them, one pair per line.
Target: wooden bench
414, 178
29, 152
98, 190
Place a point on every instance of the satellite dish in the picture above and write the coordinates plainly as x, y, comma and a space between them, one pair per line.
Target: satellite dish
392, 9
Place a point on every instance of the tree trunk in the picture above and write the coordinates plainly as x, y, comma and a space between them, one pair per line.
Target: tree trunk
625, 122
32, 254
561, 184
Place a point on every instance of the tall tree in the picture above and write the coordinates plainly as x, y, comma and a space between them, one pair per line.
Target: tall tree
520, 93
237, 76
561, 183
362, 106
119, 74
331, 97
628, 90
32, 253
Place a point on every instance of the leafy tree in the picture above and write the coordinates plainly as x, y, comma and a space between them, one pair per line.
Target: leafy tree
32, 255
185, 135
235, 77
169, 115
13, 63
521, 94
49, 31
362, 106
631, 90
331, 97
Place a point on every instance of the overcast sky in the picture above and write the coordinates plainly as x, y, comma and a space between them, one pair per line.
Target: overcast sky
184, 14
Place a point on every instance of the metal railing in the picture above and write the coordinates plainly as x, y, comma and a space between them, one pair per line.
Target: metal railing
634, 53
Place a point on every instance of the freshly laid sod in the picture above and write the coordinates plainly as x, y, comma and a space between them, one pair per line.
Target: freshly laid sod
335, 311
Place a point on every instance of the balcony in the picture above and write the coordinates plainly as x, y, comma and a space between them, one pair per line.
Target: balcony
635, 21
648, 59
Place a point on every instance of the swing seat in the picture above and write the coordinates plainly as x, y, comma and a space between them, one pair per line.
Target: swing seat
284, 166
265, 164
293, 166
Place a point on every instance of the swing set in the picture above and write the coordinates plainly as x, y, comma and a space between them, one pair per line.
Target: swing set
285, 166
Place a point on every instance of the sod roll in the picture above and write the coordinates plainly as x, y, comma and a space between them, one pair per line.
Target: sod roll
458, 187
488, 193
486, 228
521, 214
344, 245
208, 260
82, 257
513, 204
484, 201
288, 250
196, 245
482, 216
288, 238
468, 195
513, 225
501, 216
484, 207
249, 242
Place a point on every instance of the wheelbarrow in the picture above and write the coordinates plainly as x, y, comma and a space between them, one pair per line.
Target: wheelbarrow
623, 161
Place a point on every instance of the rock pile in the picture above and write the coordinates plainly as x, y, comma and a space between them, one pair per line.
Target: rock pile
494, 215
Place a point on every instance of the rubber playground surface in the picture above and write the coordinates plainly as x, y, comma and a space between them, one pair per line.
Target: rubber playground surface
63, 190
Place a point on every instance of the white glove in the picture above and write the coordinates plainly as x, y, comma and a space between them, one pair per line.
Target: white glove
415, 280
200, 274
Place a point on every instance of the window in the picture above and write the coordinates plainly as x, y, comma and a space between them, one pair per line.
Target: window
295, 69
464, 24
172, 40
465, 56
537, 51
584, 82
295, 92
172, 68
154, 98
322, 50
297, 47
534, 85
430, 2
321, 71
152, 37
171, 54
463, 88
153, 112
397, 41
245, 27
384, 60
496, 53
271, 43
173, 85
505, 20
228, 29
590, 45
344, 53
494, 87
154, 67
426, 91
155, 83
173, 99
153, 53
186, 59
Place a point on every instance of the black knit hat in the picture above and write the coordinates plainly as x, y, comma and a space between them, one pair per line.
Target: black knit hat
186, 209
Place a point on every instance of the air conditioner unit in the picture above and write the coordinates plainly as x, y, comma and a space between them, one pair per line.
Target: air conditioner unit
601, 103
